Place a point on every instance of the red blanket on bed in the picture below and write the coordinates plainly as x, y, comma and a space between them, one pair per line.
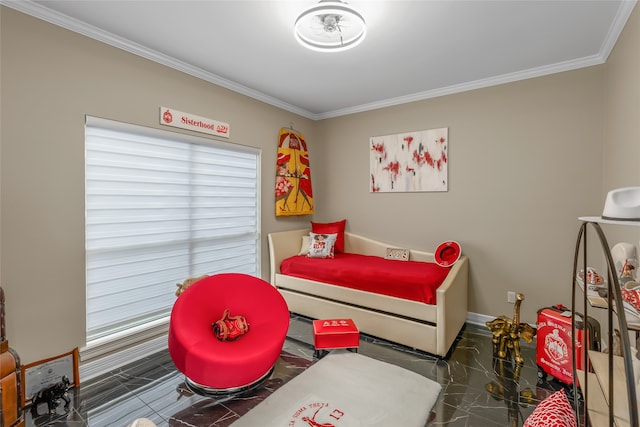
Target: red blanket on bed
416, 281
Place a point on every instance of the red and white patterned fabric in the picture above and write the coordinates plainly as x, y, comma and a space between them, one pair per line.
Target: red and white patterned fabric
554, 411
632, 296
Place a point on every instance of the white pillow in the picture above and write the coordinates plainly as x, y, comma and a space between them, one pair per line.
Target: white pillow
304, 249
321, 245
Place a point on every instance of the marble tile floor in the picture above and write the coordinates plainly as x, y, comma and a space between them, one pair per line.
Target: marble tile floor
477, 389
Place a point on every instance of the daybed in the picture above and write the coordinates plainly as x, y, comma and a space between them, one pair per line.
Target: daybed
428, 327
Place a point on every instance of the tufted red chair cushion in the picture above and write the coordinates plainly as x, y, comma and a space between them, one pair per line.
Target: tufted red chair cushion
217, 364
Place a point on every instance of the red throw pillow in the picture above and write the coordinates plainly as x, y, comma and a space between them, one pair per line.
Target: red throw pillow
331, 228
554, 411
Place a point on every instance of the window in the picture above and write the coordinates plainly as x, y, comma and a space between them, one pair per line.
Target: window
161, 207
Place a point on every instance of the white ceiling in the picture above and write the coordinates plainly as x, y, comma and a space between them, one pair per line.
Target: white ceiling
413, 50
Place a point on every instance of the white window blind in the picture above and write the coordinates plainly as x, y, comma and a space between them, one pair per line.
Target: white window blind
161, 207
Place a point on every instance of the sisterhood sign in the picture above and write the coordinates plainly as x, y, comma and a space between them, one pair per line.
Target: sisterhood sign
182, 120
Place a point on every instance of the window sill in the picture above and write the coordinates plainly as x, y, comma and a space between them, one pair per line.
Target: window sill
124, 339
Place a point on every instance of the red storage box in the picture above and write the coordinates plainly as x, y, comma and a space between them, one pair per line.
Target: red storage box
335, 333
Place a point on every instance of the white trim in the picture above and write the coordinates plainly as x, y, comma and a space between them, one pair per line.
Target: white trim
46, 14
107, 353
478, 319
482, 319
124, 339
93, 368
624, 11
211, 140
42, 12
465, 87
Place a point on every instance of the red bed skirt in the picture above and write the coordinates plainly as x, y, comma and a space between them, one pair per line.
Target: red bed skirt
411, 280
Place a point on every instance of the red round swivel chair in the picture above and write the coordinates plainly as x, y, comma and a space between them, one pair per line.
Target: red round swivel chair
213, 367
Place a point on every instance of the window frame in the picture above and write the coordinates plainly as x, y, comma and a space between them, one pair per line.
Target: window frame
96, 347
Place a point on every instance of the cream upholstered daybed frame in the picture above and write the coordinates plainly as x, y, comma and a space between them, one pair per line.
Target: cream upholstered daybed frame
430, 328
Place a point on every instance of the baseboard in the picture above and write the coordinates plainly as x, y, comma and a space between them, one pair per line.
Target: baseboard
478, 319
101, 365
96, 367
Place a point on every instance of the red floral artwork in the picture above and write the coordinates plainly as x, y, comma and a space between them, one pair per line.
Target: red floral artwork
415, 161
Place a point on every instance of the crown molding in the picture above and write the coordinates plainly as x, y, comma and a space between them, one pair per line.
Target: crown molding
468, 86
46, 14
41, 12
626, 7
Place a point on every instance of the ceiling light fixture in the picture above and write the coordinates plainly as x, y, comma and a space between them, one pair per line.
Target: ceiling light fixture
330, 26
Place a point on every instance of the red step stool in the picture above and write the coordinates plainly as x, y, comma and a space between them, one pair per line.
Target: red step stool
330, 334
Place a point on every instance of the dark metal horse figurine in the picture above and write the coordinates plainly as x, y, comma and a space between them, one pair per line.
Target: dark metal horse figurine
52, 395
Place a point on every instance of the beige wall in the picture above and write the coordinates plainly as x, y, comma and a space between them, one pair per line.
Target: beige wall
516, 175
516, 185
621, 138
51, 79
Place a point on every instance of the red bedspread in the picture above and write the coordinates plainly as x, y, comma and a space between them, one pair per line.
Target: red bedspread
416, 281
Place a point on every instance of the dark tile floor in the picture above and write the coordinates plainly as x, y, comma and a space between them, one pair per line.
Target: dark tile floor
477, 390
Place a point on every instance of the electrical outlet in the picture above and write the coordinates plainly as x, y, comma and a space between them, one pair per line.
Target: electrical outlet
511, 297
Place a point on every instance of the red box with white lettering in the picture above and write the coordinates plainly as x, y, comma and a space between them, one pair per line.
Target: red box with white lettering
335, 333
553, 342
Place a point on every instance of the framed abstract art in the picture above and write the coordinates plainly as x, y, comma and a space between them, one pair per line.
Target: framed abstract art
407, 162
